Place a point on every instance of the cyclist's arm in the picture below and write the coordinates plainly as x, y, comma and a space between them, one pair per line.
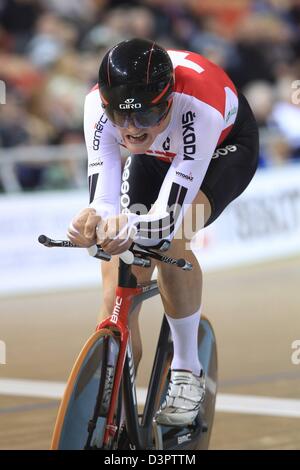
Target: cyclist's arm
104, 159
176, 188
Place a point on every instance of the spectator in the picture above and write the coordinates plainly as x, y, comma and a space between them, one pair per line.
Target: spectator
50, 52
18, 18
53, 37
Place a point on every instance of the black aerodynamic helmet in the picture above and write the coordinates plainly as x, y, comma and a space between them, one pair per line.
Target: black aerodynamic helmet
136, 82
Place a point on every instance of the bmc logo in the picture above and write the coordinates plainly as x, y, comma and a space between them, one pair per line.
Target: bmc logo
129, 104
224, 151
184, 438
115, 316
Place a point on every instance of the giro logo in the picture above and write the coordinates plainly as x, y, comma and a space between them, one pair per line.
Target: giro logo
116, 312
222, 152
184, 438
129, 104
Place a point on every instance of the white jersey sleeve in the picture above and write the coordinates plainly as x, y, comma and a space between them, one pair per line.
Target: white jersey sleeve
104, 159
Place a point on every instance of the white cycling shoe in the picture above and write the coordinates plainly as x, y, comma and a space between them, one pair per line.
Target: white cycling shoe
182, 403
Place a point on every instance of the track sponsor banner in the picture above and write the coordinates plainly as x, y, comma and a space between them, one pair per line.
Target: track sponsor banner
27, 266
262, 224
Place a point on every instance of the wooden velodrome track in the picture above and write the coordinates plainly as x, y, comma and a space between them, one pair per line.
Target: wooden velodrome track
255, 311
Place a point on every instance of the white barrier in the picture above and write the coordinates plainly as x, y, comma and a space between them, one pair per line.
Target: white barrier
262, 224
25, 264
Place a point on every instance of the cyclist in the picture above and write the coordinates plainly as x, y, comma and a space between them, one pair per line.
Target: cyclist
193, 142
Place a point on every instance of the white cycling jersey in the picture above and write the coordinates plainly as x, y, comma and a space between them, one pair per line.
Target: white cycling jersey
204, 109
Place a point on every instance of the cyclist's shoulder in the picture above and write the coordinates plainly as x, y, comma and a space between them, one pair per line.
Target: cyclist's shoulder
92, 105
196, 77
192, 68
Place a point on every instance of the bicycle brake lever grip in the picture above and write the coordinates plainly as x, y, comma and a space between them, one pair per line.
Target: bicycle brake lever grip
127, 257
92, 250
96, 252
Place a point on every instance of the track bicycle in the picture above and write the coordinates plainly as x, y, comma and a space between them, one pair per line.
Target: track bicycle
102, 380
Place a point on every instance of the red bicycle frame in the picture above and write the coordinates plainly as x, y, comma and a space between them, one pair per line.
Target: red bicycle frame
118, 322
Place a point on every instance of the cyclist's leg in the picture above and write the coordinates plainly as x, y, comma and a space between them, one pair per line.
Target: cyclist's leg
144, 176
181, 291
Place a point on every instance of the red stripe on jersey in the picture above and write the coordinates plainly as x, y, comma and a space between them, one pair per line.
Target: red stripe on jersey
164, 156
207, 86
159, 152
164, 159
223, 135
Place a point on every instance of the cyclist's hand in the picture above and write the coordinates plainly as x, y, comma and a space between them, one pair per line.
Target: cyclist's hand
115, 238
82, 230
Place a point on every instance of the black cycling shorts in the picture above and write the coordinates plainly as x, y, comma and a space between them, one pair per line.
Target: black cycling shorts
231, 169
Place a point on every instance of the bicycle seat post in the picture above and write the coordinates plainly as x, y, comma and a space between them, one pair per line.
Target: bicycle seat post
126, 278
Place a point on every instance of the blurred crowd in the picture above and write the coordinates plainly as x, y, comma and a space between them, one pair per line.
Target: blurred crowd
50, 51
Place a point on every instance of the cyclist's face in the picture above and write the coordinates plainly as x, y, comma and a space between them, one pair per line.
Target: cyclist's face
140, 140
